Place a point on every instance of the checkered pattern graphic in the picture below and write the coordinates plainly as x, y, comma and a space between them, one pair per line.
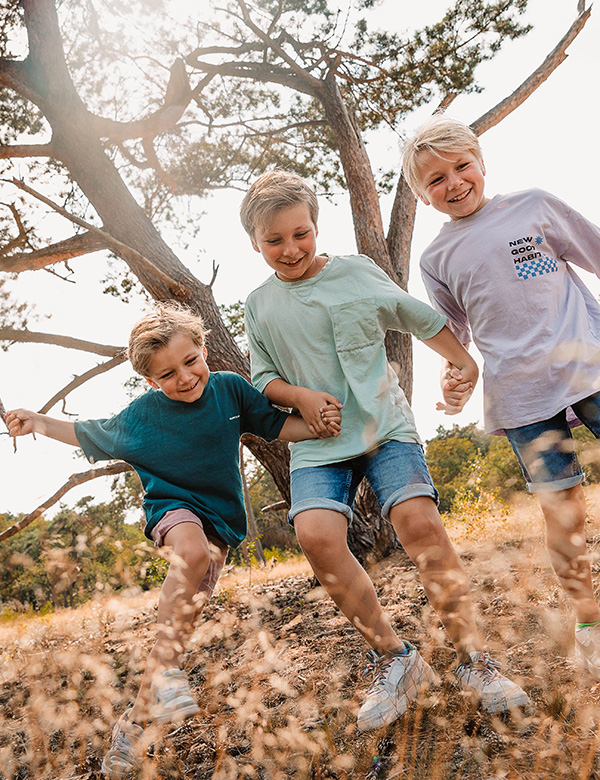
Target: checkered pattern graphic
537, 267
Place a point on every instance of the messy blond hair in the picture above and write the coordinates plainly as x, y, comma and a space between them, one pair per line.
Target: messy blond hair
156, 328
440, 135
271, 192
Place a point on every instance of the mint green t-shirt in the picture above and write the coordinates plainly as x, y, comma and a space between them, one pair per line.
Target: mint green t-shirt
327, 333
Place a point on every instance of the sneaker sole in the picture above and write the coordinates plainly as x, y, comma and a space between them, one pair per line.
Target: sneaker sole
181, 713
107, 771
501, 705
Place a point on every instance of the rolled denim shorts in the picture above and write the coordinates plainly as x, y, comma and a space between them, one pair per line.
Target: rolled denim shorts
395, 470
545, 449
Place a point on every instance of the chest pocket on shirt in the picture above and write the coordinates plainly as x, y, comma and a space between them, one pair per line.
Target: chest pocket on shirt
355, 324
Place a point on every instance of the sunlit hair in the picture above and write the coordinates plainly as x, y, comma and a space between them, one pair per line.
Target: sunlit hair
440, 135
157, 328
275, 190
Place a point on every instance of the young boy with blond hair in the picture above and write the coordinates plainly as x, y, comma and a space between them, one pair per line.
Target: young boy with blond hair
501, 271
316, 330
182, 438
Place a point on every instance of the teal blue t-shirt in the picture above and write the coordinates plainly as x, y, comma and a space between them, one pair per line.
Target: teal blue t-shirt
187, 455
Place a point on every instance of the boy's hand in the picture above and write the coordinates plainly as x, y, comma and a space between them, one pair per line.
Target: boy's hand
457, 387
332, 417
321, 412
21, 422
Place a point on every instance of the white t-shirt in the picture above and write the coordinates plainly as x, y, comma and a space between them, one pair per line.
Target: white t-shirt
503, 275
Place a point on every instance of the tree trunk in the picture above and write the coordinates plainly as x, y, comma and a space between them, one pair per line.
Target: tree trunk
48, 84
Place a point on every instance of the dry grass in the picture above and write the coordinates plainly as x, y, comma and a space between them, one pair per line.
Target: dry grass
276, 671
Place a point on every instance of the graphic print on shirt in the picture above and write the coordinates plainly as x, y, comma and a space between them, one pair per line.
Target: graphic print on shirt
528, 260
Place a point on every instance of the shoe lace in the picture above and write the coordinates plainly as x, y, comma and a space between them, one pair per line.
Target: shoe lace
378, 666
485, 665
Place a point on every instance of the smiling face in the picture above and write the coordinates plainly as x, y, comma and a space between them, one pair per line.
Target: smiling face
179, 369
288, 243
452, 184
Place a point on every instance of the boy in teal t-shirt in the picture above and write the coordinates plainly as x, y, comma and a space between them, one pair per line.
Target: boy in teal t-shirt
182, 438
317, 330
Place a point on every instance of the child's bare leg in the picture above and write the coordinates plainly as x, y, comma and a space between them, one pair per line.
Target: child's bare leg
564, 513
322, 535
179, 605
420, 530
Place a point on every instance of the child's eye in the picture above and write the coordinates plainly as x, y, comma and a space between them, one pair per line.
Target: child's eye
272, 241
191, 361
437, 180
462, 166
302, 235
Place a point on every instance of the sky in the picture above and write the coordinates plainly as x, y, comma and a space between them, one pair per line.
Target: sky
549, 142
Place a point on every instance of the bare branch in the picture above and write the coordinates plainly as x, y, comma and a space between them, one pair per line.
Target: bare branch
60, 252
124, 251
21, 239
118, 467
215, 269
26, 150
272, 44
29, 336
82, 379
552, 61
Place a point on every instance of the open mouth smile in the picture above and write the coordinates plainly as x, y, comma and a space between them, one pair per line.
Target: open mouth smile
460, 198
193, 387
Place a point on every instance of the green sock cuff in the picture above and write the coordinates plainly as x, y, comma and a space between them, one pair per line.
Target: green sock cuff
583, 625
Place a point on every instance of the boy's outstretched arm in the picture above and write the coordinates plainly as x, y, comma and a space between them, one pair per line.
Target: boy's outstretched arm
20, 422
459, 374
320, 410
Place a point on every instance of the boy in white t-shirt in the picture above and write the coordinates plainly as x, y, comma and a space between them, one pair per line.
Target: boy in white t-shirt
500, 270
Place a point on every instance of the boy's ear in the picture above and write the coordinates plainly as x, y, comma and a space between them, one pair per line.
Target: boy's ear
151, 383
254, 245
423, 199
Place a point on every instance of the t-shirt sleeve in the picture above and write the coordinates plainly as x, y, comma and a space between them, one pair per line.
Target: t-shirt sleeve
259, 416
577, 239
262, 368
398, 310
101, 439
443, 301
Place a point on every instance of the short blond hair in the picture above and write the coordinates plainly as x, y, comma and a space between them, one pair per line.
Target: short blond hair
275, 190
440, 135
156, 328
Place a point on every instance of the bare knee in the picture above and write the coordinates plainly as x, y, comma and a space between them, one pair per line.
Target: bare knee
321, 533
421, 532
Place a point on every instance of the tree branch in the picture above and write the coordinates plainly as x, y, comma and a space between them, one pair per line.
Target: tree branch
118, 467
114, 244
82, 379
26, 150
552, 61
60, 252
272, 44
29, 336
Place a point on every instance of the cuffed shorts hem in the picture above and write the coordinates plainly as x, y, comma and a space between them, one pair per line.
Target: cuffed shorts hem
554, 487
318, 503
411, 491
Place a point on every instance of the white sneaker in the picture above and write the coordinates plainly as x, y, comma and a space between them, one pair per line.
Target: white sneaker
173, 698
587, 649
120, 758
495, 691
398, 680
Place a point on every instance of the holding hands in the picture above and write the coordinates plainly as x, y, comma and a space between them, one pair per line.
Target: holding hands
321, 411
457, 386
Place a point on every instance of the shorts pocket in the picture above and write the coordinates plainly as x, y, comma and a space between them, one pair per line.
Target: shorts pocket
355, 324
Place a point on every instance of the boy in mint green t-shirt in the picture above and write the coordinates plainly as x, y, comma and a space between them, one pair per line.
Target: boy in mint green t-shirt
316, 330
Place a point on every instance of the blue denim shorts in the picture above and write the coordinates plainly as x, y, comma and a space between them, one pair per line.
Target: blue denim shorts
545, 449
395, 470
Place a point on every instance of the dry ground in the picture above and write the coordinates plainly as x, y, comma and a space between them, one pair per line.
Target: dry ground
276, 671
